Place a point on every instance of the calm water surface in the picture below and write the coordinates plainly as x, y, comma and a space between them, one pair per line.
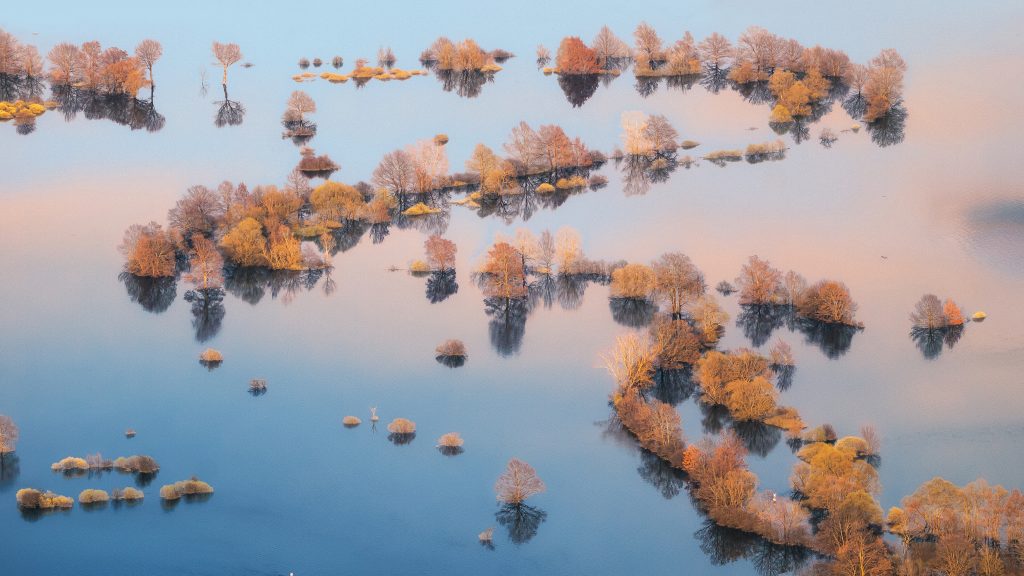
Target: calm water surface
295, 492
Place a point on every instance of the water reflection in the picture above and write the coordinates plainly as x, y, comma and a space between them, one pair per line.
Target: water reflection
465, 83
122, 109
521, 520
930, 341
674, 387
10, 468
207, 311
251, 284
578, 88
229, 112
758, 437
759, 321
401, 438
632, 312
727, 545
668, 480
441, 285
153, 294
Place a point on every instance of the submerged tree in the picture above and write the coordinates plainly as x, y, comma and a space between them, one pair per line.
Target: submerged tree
148, 52
226, 55
517, 483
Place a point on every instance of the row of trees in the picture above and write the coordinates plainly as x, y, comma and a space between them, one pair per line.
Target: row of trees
110, 71
799, 75
464, 56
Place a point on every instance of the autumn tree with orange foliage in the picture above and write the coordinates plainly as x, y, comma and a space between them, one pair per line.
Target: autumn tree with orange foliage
440, 253
504, 273
884, 86
575, 58
829, 301
149, 250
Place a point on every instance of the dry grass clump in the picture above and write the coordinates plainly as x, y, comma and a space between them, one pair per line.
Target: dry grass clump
545, 188
571, 182
486, 536
191, 487
127, 494
30, 498
351, 421
725, 156
451, 348
688, 144
139, 464
420, 209
70, 464
402, 426
597, 181
766, 151
419, 267
311, 164
258, 385
93, 496
129, 433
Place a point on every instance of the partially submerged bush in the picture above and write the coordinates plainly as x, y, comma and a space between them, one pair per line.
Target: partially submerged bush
545, 188
420, 209
451, 348
688, 144
70, 464
30, 498
351, 421
419, 267
211, 358
597, 181
402, 426
441, 139
137, 464
724, 156
450, 444
126, 494
257, 386
830, 302
93, 496
823, 433
632, 281
191, 487
571, 183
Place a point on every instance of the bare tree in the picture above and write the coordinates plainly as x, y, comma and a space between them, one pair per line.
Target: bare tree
518, 482
430, 164
148, 52
631, 362
395, 173
715, 51
677, 281
67, 63
226, 55
648, 43
300, 102
634, 134
608, 46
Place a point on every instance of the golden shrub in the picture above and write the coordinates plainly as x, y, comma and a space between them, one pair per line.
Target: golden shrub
93, 496
70, 463
402, 426
351, 421
450, 440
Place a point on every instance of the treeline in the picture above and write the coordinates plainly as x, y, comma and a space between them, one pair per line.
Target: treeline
797, 77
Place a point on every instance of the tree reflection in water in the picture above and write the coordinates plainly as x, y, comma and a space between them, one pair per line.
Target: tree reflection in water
153, 294
521, 520
931, 340
229, 112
